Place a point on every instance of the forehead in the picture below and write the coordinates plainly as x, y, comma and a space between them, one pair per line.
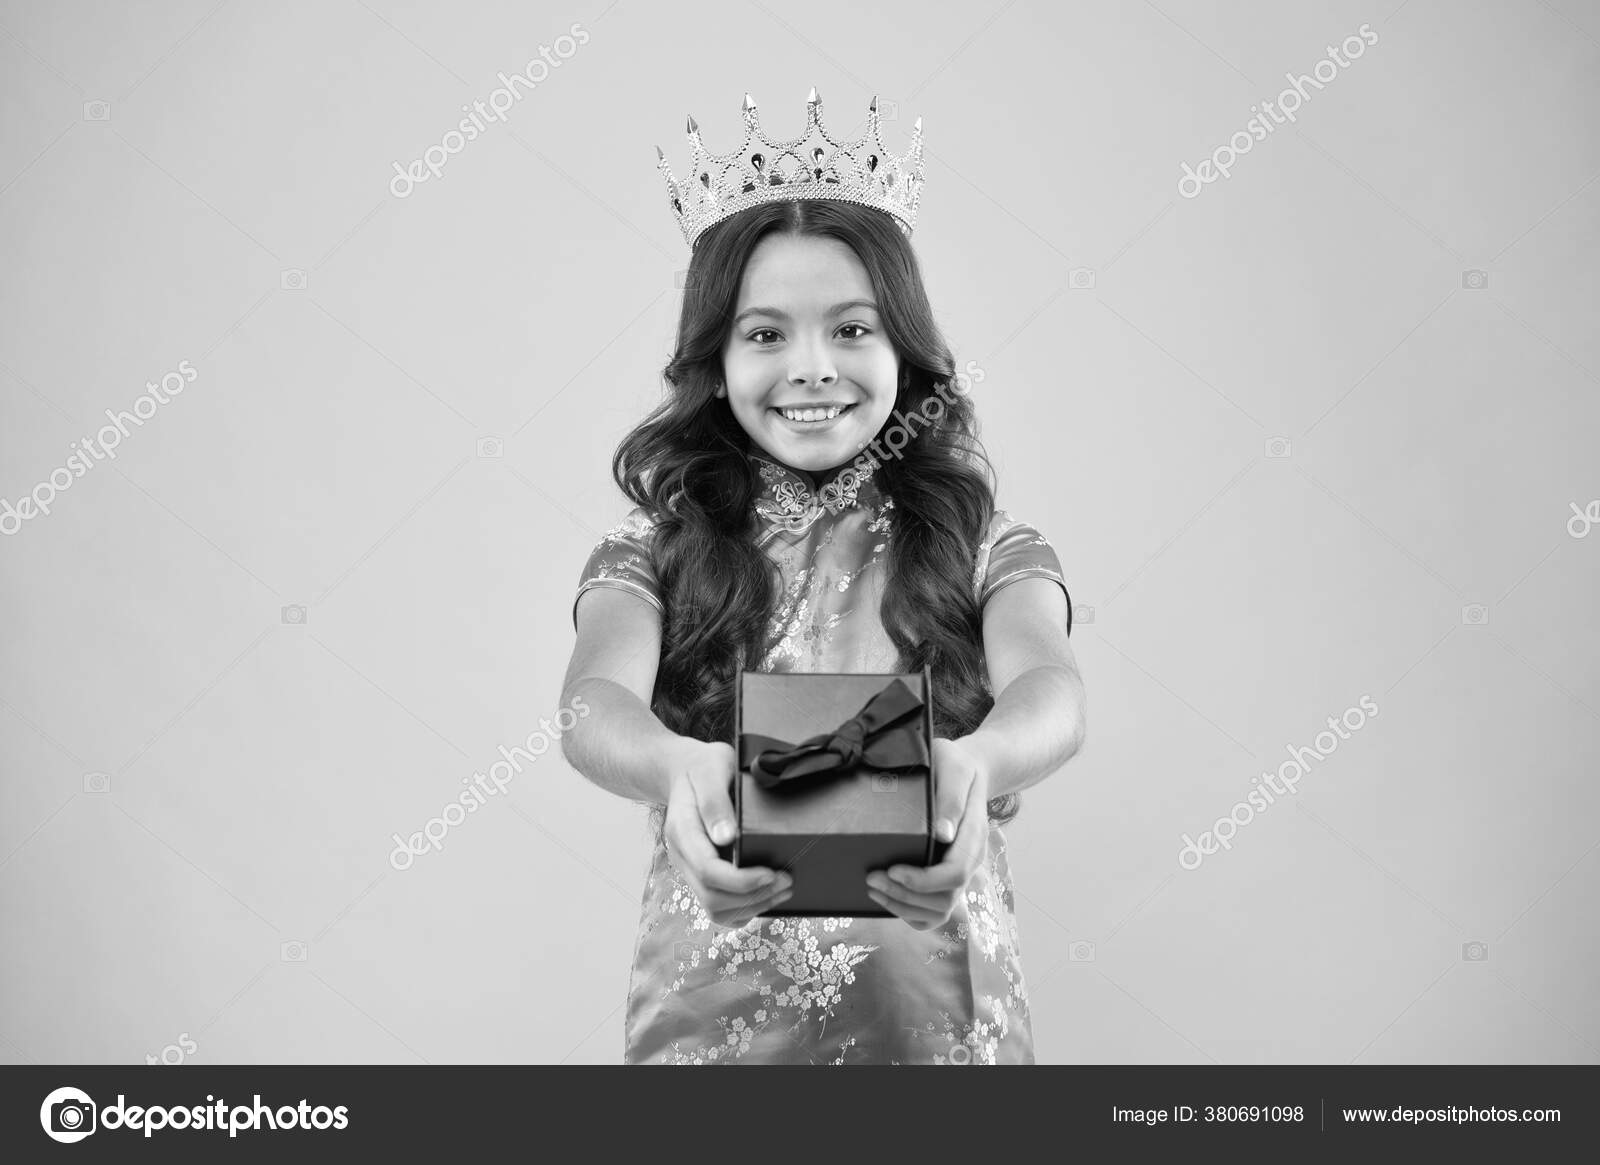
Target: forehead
801, 273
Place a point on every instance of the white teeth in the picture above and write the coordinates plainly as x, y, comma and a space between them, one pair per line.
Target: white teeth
811, 414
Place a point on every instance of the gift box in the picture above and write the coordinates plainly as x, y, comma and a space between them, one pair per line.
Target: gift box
834, 780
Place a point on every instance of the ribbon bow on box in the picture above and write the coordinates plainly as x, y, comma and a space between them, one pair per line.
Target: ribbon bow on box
885, 736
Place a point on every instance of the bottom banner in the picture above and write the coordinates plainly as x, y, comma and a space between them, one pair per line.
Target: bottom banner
327, 1112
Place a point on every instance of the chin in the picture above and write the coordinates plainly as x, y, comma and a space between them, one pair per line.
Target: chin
816, 454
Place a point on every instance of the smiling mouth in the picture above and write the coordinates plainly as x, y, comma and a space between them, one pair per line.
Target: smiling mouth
813, 416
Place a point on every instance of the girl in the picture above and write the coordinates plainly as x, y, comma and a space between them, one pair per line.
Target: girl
762, 532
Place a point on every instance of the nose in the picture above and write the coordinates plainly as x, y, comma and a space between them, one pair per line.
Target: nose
812, 365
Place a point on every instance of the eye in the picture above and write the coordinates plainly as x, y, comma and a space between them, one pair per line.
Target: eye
862, 328
761, 332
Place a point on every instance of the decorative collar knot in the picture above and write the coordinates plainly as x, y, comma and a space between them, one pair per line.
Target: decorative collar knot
789, 503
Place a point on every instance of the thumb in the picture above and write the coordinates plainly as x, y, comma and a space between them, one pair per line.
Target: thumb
716, 810
950, 787
720, 829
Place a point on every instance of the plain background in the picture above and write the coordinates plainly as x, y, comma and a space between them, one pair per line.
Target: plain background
229, 205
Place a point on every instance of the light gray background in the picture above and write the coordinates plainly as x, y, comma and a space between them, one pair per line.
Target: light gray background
328, 456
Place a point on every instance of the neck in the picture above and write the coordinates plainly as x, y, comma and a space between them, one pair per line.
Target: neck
815, 479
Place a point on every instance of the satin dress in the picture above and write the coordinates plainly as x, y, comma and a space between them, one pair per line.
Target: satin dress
827, 990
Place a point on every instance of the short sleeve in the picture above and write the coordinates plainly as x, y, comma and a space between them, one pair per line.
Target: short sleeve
1015, 550
622, 559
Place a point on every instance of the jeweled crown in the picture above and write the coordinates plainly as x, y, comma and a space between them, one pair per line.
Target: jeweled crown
813, 165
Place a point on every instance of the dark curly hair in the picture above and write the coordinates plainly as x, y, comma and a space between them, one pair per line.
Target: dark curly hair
688, 465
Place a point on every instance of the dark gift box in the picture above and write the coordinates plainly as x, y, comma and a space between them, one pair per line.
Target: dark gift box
834, 780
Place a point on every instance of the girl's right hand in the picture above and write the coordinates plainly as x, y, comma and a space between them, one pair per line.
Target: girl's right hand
699, 818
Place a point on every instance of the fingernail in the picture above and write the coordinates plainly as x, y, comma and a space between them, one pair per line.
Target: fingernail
784, 881
945, 829
722, 832
875, 881
898, 875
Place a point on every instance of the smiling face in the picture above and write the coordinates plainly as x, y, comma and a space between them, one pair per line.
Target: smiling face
807, 369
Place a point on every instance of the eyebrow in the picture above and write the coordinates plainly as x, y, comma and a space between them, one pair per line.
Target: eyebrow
836, 309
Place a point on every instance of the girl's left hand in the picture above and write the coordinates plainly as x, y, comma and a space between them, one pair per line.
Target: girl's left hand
927, 897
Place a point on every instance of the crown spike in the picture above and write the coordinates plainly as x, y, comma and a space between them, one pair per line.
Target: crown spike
873, 107
749, 103
694, 127
812, 98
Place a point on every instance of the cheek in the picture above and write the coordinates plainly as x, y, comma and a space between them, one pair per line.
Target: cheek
882, 409
883, 372
748, 377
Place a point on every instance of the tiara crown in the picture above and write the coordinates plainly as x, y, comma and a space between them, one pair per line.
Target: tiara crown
813, 165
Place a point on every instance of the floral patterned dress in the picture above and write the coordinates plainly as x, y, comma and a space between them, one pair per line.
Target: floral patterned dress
827, 990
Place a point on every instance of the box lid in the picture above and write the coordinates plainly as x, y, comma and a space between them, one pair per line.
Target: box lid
793, 706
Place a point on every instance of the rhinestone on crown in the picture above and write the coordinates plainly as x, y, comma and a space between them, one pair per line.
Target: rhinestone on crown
812, 165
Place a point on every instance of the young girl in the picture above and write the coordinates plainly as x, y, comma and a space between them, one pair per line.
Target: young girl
796, 509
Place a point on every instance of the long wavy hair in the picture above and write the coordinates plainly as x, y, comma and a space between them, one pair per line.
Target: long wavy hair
688, 464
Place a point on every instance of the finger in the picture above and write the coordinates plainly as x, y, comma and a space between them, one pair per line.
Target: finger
938, 902
972, 836
716, 807
747, 883
918, 917
735, 909
703, 866
737, 912
951, 784
948, 875
770, 903
960, 861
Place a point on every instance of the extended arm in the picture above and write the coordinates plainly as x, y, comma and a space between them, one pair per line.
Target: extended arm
1037, 722
621, 745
